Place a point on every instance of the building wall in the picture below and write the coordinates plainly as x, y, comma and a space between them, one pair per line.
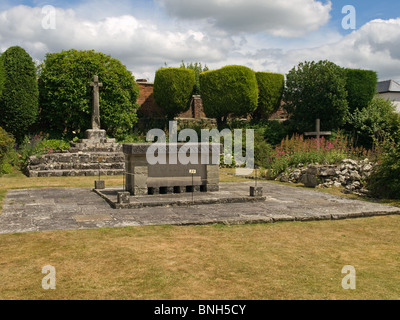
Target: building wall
149, 108
393, 96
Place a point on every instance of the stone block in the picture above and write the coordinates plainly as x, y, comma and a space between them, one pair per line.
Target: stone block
256, 191
99, 184
123, 197
95, 134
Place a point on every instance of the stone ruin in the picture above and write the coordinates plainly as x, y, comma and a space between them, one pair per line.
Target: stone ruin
88, 157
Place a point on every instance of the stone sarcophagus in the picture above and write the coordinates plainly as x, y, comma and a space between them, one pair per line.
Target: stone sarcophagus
172, 168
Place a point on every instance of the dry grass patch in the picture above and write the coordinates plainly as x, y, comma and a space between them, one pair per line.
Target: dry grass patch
274, 261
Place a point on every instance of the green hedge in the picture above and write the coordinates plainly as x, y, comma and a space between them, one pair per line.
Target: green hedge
19, 101
6, 144
271, 86
173, 88
361, 88
1, 78
231, 90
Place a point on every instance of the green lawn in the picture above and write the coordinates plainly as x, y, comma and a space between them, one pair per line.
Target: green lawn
290, 260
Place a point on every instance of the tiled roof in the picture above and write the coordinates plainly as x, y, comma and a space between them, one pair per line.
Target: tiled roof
388, 86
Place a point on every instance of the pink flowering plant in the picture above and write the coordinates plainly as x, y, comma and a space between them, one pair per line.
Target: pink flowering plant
300, 150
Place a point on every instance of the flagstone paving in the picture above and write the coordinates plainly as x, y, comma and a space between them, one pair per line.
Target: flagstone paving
72, 209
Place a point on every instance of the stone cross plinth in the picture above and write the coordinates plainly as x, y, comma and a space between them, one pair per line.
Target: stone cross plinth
143, 178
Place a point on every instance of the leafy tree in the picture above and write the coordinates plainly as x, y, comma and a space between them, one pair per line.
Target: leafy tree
270, 87
66, 96
198, 68
361, 88
375, 122
231, 90
19, 97
173, 88
316, 90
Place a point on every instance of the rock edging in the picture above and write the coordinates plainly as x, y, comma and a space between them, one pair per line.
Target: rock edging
350, 174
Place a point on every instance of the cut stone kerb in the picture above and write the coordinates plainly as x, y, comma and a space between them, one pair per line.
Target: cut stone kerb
165, 166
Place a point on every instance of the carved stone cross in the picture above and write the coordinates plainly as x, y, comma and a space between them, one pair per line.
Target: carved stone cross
318, 133
96, 104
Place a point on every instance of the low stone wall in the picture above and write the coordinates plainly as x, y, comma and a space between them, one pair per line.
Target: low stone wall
76, 164
349, 174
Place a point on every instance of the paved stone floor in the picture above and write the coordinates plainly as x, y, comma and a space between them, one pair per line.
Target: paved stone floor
71, 209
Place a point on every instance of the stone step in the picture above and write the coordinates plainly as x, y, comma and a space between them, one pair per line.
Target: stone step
78, 166
77, 158
74, 173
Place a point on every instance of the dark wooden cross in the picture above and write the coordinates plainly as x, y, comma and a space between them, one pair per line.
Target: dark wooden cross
96, 104
318, 133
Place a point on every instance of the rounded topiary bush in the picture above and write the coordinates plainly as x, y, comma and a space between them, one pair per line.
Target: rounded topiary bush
271, 86
231, 90
173, 88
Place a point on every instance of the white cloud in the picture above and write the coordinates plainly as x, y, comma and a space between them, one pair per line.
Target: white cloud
139, 44
144, 44
375, 46
279, 18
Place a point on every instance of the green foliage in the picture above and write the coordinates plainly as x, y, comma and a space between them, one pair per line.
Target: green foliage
374, 122
270, 87
173, 88
66, 96
39, 145
231, 90
385, 180
1, 77
19, 97
198, 68
316, 90
361, 88
6, 147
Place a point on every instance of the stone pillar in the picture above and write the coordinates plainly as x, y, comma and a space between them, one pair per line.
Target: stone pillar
212, 178
137, 174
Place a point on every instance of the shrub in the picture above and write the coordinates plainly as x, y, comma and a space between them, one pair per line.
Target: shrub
270, 87
6, 146
384, 182
39, 145
231, 90
316, 90
19, 98
374, 122
361, 88
66, 95
173, 88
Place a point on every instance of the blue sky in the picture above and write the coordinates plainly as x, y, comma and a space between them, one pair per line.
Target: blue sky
265, 35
